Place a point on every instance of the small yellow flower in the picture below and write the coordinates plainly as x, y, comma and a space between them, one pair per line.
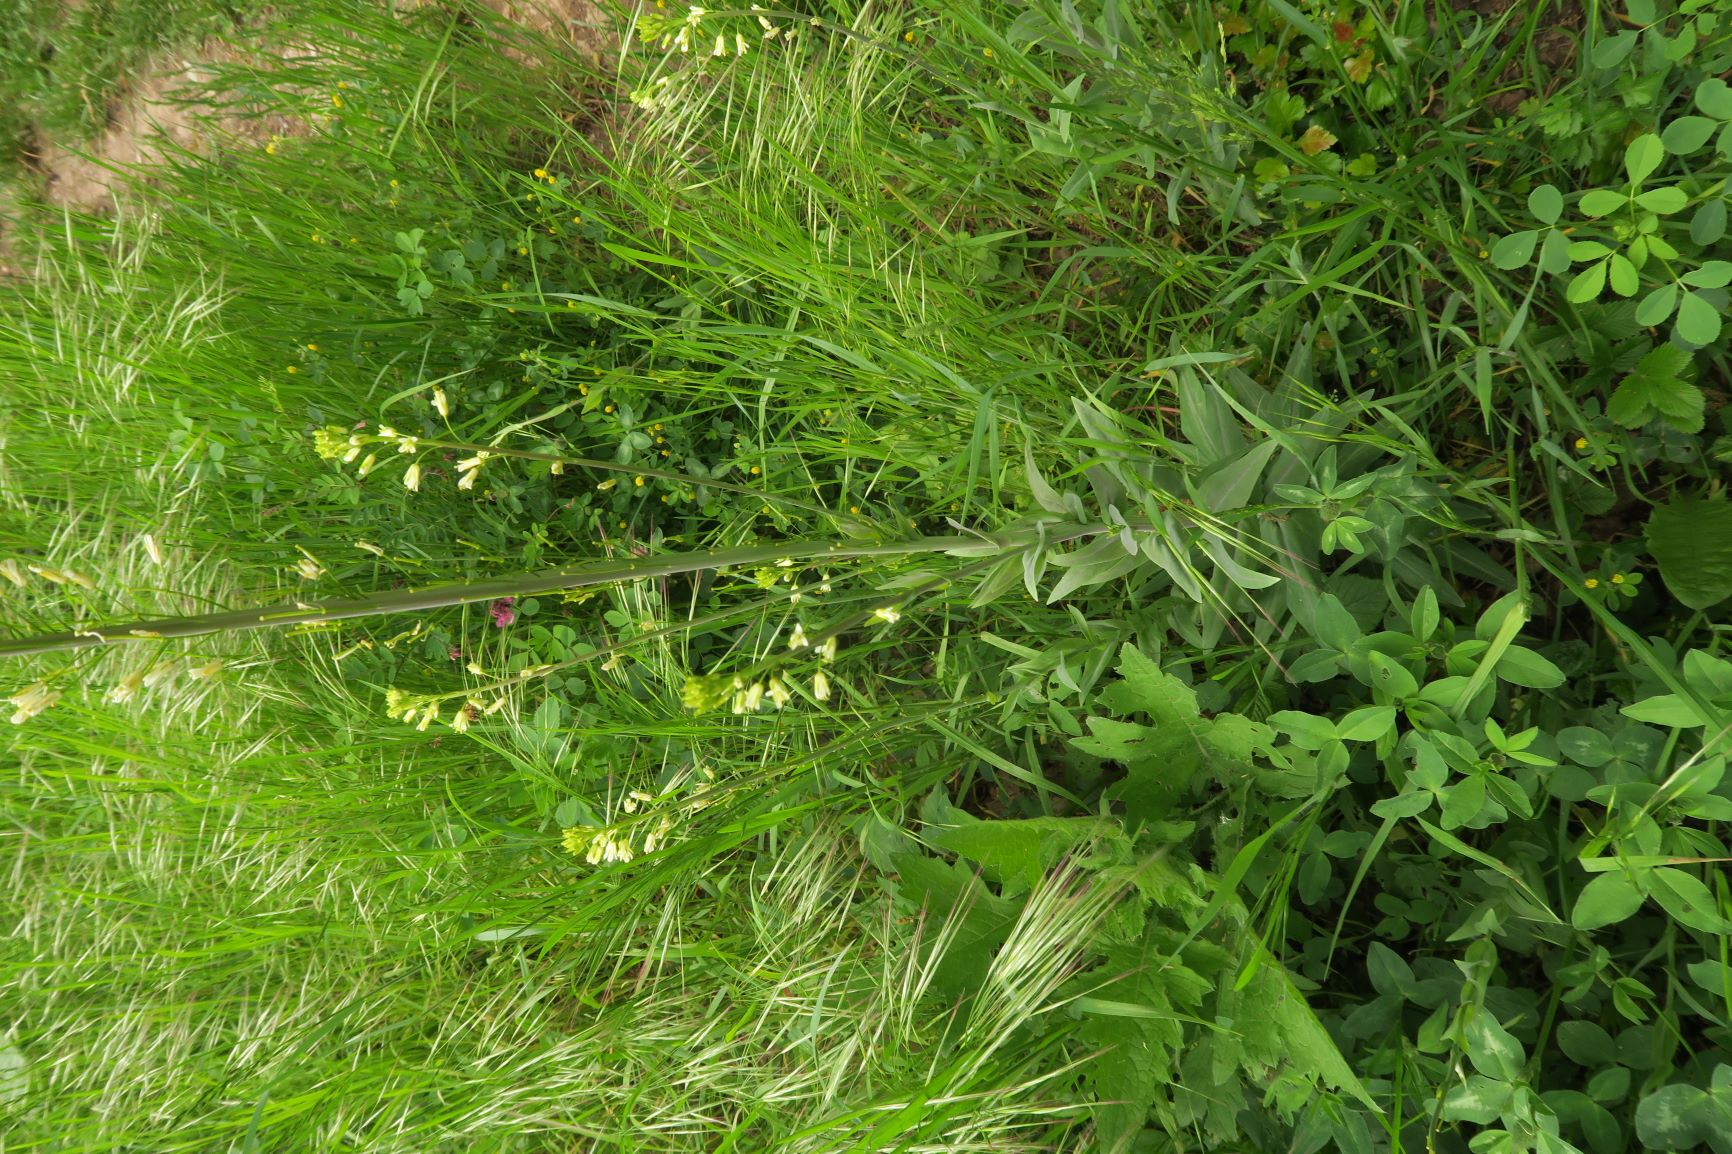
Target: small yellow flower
522, 250
1617, 578
887, 614
1581, 444
1592, 582
271, 148
541, 174
312, 348
293, 370
336, 100
505, 286
908, 36
986, 52
412, 478
638, 481
441, 402
756, 470
820, 686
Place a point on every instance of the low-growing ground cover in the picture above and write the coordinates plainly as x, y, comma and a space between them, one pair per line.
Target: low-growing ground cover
1141, 577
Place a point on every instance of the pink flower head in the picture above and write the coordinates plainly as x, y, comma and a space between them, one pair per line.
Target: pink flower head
455, 653
503, 613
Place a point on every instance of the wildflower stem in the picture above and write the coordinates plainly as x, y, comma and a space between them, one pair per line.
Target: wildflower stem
519, 585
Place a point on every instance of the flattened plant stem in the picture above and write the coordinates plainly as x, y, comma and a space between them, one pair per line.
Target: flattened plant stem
318, 612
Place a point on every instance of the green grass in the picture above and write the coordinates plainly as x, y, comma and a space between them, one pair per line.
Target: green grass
63, 66
1064, 845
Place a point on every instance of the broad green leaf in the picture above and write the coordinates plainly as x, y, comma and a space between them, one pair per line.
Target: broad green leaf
1607, 900
1163, 759
1390, 676
1587, 284
1044, 494
1657, 307
1714, 97
1671, 1118
1667, 709
1586, 746
1423, 618
1305, 1044
1657, 389
1712, 975
1306, 730
1610, 1084
1684, 896
1335, 626
1712, 274
1601, 202
1410, 804
1698, 321
1546, 203
1621, 275
1708, 224
1642, 156
1389, 971
1586, 1043
1492, 1049
1231, 484
1612, 51
1520, 665
1017, 854
949, 890
1555, 253
1316, 665
1691, 540
1664, 201
1463, 801
1367, 723
1688, 133
1708, 675
1479, 1100
1515, 250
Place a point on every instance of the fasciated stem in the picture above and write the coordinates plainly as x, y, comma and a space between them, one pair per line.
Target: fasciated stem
319, 612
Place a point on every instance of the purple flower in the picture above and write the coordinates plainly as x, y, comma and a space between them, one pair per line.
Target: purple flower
503, 613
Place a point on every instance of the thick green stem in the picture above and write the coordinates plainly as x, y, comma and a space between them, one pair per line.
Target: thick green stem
318, 612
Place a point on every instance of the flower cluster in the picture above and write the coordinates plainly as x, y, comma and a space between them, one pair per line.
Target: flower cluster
31, 700
423, 709
604, 845
14, 573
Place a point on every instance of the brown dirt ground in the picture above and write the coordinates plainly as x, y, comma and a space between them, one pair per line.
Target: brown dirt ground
160, 111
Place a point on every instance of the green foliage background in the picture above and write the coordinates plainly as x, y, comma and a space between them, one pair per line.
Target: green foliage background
1167, 588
